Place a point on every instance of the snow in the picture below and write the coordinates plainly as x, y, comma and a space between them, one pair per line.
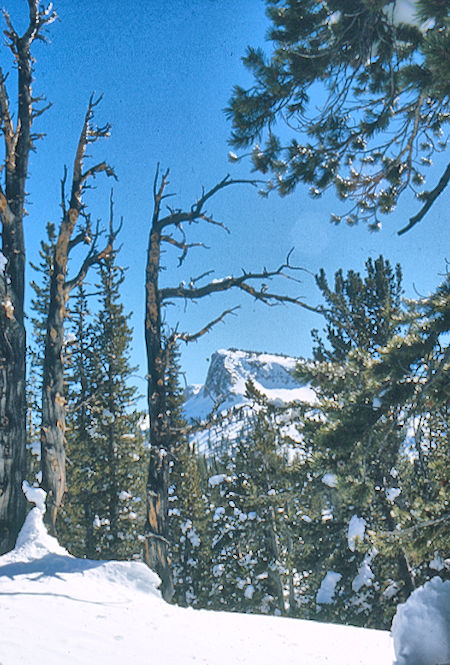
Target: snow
59, 609
437, 563
217, 479
329, 479
405, 11
327, 588
3, 263
392, 493
421, 626
356, 530
365, 574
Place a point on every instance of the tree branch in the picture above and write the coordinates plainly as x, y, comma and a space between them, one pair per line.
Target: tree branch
89, 134
194, 293
185, 337
182, 245
94, 257
177, 217
430, 198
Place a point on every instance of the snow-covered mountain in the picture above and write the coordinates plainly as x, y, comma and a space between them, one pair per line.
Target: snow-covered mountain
225, 388
228, 373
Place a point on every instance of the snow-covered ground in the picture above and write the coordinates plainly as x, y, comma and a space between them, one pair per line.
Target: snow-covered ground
59, 610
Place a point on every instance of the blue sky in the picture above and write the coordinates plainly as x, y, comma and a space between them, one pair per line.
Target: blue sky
166, 70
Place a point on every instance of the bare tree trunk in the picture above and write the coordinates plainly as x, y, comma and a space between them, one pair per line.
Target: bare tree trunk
169, 230
53, 426
271, 538
156, 543
18, 143
53, 458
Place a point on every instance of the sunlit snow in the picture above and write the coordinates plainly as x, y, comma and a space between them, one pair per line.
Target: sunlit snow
325, 594
59, 610
356, 530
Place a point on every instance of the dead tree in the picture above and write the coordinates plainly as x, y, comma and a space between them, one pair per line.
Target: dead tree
168, 229
69, 237
18, 141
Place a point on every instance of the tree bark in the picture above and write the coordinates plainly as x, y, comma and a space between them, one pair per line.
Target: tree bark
53, 457
156, 548
18, 142
53, 427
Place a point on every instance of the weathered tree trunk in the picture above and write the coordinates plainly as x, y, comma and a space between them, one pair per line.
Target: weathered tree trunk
53, 459
156, 543
162, 438
18, 143
273, 549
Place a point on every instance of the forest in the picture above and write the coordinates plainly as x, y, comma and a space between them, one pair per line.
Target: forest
340, 523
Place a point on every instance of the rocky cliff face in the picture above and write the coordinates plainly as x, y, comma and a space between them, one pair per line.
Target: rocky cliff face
225, 385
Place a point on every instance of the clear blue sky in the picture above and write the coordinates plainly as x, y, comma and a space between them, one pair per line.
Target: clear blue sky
166, 70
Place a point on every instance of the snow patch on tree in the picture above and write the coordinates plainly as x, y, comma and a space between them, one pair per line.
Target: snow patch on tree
356, 531
327, 589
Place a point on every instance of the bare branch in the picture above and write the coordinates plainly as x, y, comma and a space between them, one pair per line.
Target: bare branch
184, 246
242, 282
194, 280
196, 211
185, 337
6, 121
84, 236
430, 198
89, 134
94, 257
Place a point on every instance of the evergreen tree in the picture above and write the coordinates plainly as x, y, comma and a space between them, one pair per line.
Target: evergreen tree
105, 507
358, 447
383, 80
251, 548
81, 498
415, 368
188, 513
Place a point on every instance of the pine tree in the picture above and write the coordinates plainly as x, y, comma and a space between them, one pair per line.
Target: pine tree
188, 514
81, 498
252, 548
105, 445
416, 366
382, 79
358, 447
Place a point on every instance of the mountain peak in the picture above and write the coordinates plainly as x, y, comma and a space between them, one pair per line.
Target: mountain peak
231, 369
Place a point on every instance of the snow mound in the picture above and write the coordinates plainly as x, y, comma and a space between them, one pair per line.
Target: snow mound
421, 626
47, 558
58, 609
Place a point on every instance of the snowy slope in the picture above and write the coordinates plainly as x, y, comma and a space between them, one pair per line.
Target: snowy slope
59, 610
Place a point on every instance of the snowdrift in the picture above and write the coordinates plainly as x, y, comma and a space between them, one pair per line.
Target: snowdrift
421, 626
56, 609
